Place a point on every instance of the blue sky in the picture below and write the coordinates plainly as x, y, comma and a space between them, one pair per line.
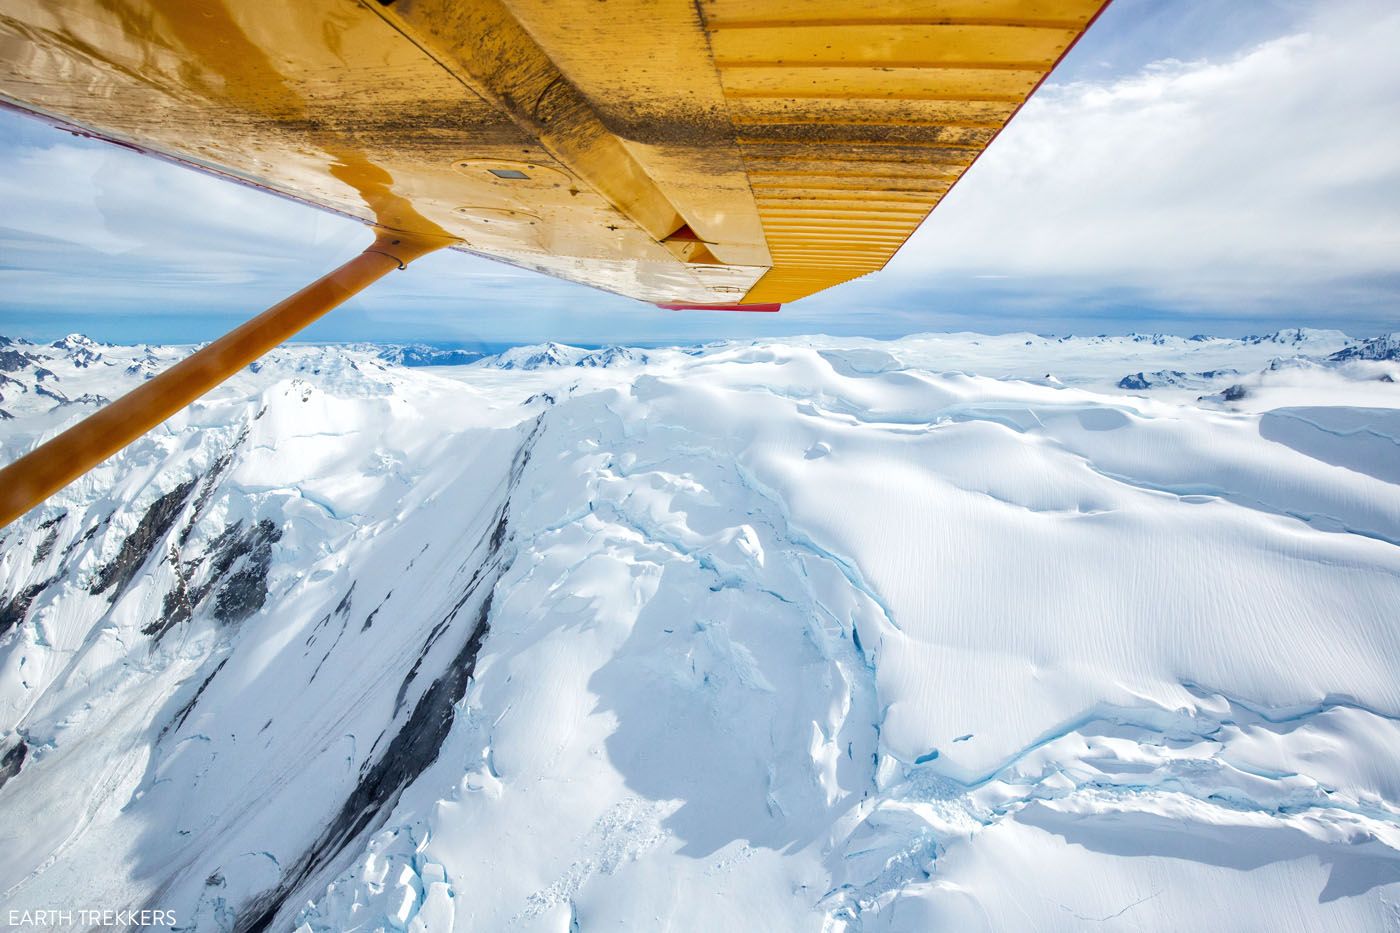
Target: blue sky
1219, 166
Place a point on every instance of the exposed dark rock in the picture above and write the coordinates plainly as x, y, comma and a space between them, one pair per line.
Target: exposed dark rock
82, 539
75, 342
1288, 335
407, 755
415, 746
180, 603
239, 562
613, 356
1235, 393
45, 548
178, 606
343, 607
81, 351
12, 361
423, 355
184, 711
1384, 347
342, 612
12, 761
1136, 382
544, 356
54, 394
211, 480
245, 591
12, 612
12, 381
1172, 377
154, 525
369, 619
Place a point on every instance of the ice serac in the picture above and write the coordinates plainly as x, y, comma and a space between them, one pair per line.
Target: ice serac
950, 632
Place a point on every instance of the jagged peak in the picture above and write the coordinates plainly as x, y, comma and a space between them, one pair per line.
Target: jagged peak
76, 341
1383, 347
538, 356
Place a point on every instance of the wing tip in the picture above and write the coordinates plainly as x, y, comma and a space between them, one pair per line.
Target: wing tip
766, 307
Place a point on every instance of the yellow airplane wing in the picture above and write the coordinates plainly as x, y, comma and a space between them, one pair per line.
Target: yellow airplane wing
720, 152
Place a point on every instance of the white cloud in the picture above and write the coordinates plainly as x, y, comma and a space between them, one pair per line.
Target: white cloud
115, 202
1210, 183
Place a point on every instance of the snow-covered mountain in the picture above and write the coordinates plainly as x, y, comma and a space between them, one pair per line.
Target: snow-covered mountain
614, 356
824, 634
1140, 381
538, 356
1300, 339
1385, 347
418, 354
550, 355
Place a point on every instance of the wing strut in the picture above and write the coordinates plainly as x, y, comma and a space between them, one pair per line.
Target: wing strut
57, 462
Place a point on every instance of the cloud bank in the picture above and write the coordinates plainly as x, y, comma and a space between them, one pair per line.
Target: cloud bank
1268, 180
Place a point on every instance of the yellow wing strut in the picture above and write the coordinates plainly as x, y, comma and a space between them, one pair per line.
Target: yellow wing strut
57, 462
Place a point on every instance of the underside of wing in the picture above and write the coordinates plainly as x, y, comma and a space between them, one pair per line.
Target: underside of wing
719, 153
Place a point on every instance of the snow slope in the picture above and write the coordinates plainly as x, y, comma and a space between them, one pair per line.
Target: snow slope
825, 634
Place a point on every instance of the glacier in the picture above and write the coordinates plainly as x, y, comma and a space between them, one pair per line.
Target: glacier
827, 634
